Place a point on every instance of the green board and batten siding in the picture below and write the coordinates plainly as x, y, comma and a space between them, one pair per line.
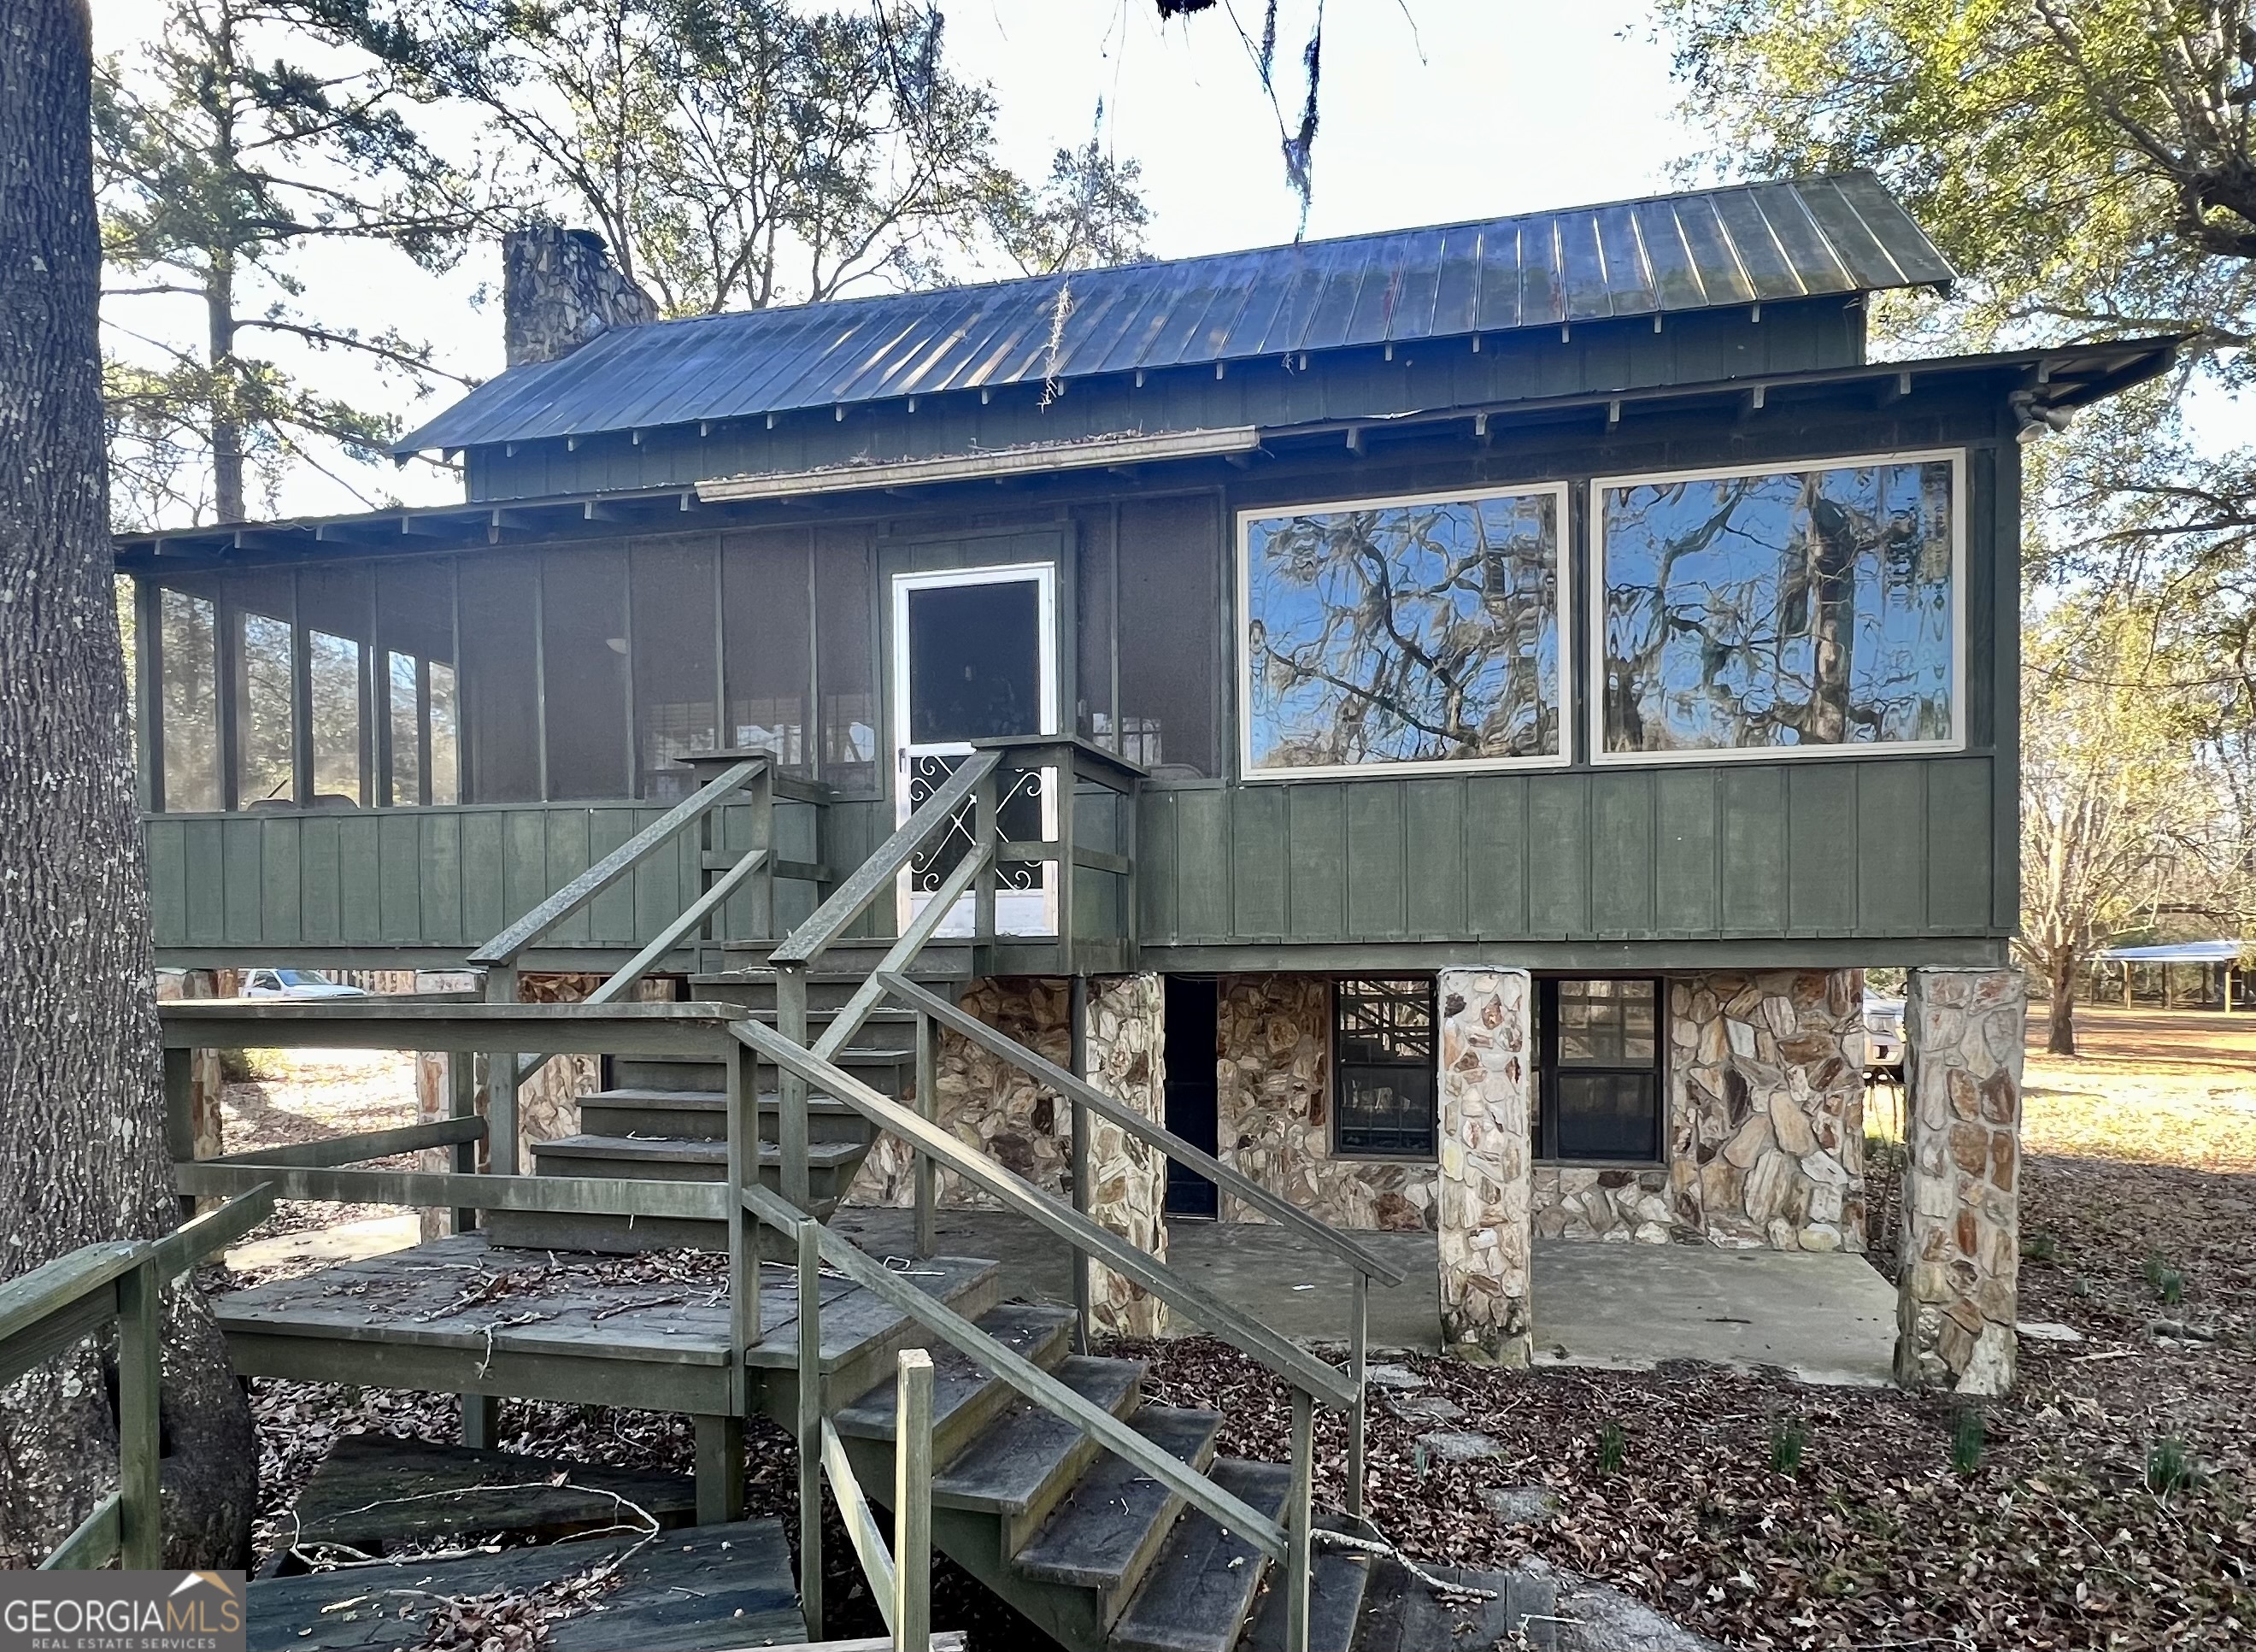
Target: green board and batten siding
433, 882
1808, 849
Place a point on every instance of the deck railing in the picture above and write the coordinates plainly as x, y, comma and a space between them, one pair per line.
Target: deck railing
53, 1308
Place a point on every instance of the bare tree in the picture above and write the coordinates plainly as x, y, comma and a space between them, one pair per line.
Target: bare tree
82, 1150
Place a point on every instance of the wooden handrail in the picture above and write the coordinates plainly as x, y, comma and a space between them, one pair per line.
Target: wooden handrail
809, 941
1030, 1379
502, 951
850, 1015
57, 1304
1282, 1355
1239, 1185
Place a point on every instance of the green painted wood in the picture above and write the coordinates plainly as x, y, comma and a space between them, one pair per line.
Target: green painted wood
399, 875
485, 881
567, 853
1753, 849
439, 869
1377, 878
1892, 850
1959, 794
1496, 854
93, 1543
282, 903
1315, 852
1434, 856
360, 896
168, 881
1203, 864
1157, 867
205, 868
611, 914
321, 869
1821, 812
239, 839
1558, 854
525, 864
1687, 805
1621, 838
1258, 872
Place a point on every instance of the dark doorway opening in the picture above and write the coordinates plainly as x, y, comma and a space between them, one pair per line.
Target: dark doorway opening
975, 661
1191, 1101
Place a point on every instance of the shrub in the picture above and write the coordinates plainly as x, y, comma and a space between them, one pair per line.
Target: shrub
2040, 1247
2168, 1282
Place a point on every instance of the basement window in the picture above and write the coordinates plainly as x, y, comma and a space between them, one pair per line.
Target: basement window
1382, 1068
1598, 1092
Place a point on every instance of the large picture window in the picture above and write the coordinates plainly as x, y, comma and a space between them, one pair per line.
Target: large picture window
1412, 632
1748, 611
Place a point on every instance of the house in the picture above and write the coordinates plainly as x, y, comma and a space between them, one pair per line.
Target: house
1464, 704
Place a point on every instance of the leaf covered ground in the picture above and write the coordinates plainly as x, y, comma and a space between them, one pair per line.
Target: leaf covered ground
2108, 1504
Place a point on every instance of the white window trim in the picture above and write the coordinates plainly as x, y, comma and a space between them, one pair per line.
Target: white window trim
1563, 566
1593, 684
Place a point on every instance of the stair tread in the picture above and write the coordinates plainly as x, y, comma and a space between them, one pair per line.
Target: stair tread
690, 1150
1337, 1580
697, 1100
1007, 1467
1102, 1527
1195, 1597
1024, 1328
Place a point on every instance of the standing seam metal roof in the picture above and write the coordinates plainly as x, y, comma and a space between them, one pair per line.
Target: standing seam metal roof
1708, 249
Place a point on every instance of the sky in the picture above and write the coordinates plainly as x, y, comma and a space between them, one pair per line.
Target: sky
1432, 110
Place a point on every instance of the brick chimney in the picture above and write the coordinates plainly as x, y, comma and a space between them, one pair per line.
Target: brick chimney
560, 289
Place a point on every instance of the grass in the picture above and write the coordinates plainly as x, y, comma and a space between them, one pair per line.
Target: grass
2169, 1466
1789, 1442
2167, 1282
1613, 1448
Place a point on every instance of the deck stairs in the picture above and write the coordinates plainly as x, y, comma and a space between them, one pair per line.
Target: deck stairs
1112, 1522
666, 1120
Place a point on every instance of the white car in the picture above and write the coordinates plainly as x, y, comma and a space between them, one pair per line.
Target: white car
1884, 1035
296, 983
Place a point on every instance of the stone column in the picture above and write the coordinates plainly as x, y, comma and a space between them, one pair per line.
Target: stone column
1960, 1245
1128, 1178
1487, 1042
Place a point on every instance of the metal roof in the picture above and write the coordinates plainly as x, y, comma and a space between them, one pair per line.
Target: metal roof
1742, 244
2176, 953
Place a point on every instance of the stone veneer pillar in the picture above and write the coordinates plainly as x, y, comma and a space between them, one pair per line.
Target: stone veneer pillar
1125, 1057
1487, 1043
1961, 1245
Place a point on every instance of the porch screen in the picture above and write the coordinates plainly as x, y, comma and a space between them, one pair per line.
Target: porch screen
1383, 1056
264, 603
1754, 610
188, 654
674, 584
1170, 626
767, 595
1410, 632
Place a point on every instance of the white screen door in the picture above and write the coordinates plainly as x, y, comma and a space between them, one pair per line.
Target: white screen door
975, 657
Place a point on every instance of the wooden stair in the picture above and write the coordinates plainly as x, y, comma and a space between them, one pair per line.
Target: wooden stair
661, 1120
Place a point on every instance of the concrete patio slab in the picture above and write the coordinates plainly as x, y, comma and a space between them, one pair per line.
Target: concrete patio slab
1822, 1318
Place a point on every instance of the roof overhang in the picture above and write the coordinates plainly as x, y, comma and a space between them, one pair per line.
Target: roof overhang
2042, 386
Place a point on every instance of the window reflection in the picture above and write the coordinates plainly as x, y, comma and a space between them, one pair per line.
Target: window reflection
189, 650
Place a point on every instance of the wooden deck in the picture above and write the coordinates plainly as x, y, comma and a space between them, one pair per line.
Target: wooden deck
708, 1588
459, 1315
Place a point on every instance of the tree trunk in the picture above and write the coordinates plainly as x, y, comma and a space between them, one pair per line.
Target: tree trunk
2060, 1026
226, 390
82, 1150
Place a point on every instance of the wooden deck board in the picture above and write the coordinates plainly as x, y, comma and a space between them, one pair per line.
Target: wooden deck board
464, 1295
681, 1592
373, 1490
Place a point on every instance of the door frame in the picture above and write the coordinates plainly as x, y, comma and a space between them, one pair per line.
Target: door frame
1043, 576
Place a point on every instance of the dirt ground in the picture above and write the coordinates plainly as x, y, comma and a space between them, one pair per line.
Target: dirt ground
2107, 1504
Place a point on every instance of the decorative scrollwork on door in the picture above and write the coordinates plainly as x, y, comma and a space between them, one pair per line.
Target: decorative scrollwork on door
1018, 819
